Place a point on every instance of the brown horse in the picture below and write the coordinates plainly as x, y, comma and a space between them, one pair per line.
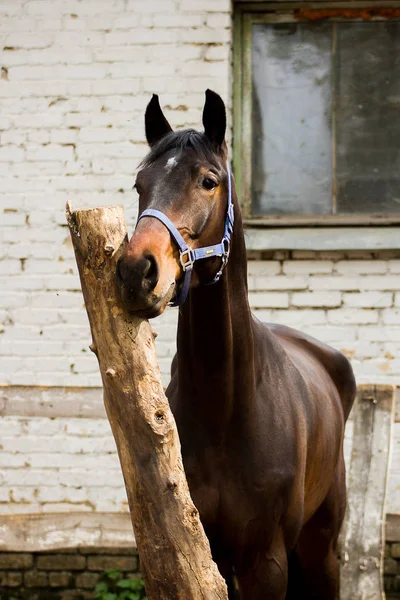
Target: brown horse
260, 409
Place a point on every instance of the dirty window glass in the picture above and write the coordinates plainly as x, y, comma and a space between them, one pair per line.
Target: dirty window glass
326, 133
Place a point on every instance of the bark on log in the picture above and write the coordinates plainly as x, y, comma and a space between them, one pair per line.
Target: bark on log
174, 551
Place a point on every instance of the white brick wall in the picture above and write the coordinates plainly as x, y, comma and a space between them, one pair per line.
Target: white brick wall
67, 464
349, 303
76, 78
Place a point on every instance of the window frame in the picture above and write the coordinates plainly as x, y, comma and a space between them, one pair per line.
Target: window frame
245, 15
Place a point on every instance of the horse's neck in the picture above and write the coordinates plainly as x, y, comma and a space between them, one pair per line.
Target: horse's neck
215, 343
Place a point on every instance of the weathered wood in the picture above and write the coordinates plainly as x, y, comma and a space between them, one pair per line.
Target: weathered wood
174, 551
363, 536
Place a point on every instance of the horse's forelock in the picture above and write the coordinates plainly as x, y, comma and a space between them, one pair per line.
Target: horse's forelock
181, 140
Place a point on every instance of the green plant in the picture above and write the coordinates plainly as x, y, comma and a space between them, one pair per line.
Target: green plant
114, 587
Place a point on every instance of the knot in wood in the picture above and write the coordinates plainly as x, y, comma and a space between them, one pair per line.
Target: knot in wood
160, 416
111, 373
108, 249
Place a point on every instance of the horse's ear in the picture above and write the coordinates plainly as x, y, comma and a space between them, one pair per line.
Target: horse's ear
214, 118
156, 125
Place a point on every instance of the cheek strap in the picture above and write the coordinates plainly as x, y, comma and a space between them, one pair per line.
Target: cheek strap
188, 255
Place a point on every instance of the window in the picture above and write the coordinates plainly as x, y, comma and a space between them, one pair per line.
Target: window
317, 115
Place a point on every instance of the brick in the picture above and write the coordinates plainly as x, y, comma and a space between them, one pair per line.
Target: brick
380, 282
298, 318
368, 299
343, 316
101, 563
261, 268
13, 560
61, 562
268, 299
35, 579
87, 581
360, 267
390, 566
121, 551
10, 579
59, 579
319, 299
391, 316
394, 266
305, 267
335, 282
280, 282
395, 550
208, 5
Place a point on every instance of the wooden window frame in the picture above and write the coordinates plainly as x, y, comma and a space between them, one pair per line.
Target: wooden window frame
247, 13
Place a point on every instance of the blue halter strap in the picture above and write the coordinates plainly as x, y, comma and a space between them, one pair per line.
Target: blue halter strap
187, 255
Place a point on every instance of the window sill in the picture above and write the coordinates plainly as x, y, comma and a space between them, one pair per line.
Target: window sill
322, 238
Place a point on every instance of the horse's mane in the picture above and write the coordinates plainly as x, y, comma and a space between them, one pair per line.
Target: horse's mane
188, 138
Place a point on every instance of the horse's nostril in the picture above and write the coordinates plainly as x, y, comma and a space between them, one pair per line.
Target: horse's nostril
151, 271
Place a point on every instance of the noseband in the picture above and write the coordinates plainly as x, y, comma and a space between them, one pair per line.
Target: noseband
187, 255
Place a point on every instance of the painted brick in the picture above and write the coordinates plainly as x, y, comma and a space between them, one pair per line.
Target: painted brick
335, 282
394, 266
379, 334
360, 267
299, 318
368, 299
380, 282
343, 316
306, 267
72, 123
280, 282
261, 268
268, 299
318, 299
391, 317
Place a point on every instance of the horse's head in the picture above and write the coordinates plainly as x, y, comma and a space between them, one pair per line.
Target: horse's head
185, 178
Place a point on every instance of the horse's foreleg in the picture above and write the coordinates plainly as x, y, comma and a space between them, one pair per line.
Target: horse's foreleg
226, 569
314, 567
267, 576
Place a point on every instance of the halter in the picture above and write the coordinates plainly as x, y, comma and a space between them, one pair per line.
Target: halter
187, 255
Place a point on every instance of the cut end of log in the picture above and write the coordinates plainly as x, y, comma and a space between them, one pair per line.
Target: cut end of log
71, 220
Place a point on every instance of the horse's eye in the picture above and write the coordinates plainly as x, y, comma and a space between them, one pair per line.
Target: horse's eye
137, 188
209, 184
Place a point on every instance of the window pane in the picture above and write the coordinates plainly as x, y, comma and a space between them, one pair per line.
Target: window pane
292, 147
367, 117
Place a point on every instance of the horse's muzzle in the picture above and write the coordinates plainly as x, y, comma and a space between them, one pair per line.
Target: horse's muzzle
136, 279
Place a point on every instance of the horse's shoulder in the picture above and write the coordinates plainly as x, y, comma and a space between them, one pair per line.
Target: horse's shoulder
303, 348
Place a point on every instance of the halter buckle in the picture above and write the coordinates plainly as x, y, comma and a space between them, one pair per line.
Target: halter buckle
186, 259
227, 245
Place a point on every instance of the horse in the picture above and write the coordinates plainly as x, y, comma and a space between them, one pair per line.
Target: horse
260, 408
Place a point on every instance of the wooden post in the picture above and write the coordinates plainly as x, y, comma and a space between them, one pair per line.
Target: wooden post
363, 540
174, 552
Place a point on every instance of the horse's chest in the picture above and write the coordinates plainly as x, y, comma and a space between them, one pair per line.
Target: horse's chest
204, 486
225, 497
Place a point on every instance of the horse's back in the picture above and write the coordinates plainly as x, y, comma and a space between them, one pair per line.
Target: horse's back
306, 351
